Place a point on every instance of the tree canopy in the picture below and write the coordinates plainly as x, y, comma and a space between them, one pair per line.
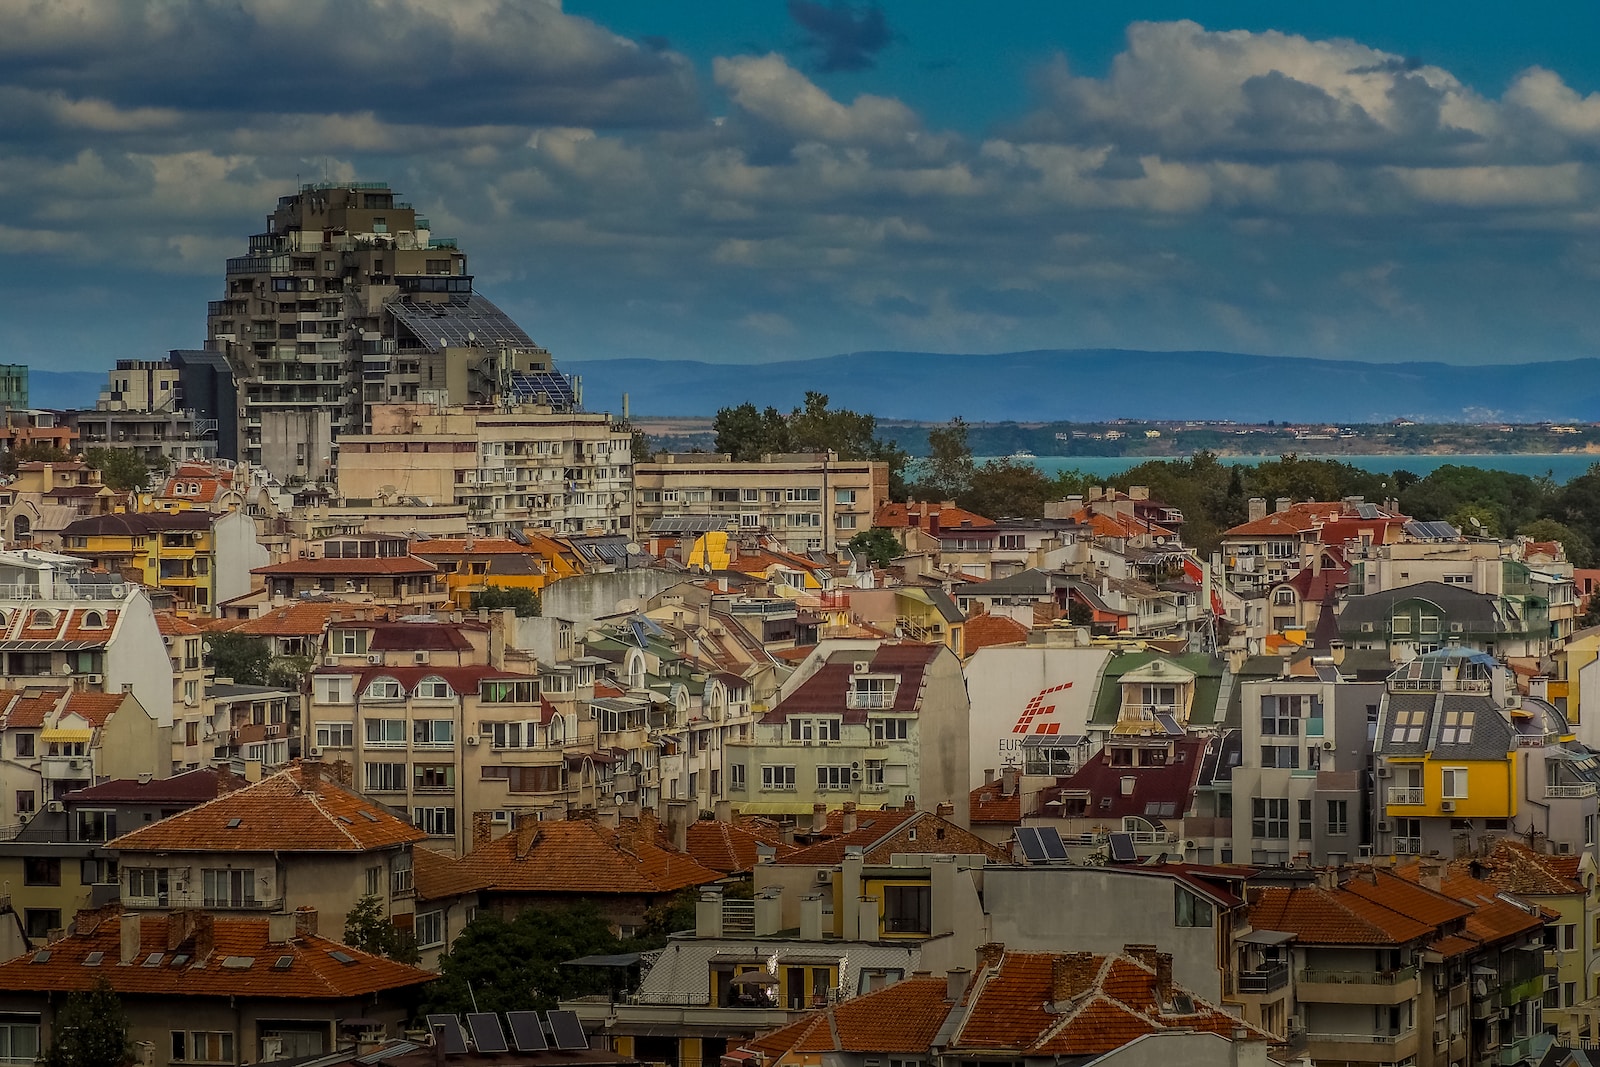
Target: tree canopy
516, 965
120, 468
91, 1030
525, 602
245, 659
878, 545
747, 434
368, 928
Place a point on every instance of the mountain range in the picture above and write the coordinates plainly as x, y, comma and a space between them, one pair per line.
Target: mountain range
1095, 384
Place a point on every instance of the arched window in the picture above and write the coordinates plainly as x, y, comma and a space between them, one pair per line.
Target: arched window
556, 732
433, 687
93, 620
384, 688
41, 619
22, 528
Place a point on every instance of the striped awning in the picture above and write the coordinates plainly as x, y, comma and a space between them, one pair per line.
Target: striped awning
63, 734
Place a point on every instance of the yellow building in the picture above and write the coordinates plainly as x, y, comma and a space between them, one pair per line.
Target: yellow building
471, 565
200, 558
1445, 749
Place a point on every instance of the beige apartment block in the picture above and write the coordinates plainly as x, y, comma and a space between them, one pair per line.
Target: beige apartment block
511, 468
809, 500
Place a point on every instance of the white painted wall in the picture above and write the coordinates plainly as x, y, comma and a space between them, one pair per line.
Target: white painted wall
1002, 682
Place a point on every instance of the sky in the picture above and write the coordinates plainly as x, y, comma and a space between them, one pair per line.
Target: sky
755, 180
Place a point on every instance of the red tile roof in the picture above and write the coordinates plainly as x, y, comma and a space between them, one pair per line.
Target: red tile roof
577, 856
984, 630
828, 688
440, 877
172, 625
191, 787
1371, 908
905, 1017
363, 565
300, 619
289, 812
733, 848
1165, 791
95, 707
921, 515
418, 637
242, 961
989, 805
883, 834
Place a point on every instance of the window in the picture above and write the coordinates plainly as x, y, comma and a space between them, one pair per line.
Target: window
872, 692
907, 909
813, 729
1454, 784
1338, 816
436, 777
25, 801
41, 870
24, 746
147, 883
335, 735
41, 922
1013, 542
386, 777
229, 888
1284, 757
777, 777
98, 872
434, 689
96, 825
1457, 728
202, 1046
506, 734
833, 777
433, 732
348, 642
1269, 817
437, 822
844, 496
19, 1038
1283, 597
430, 929
736, 776
374, 880
1400, 624
385, 689
1407, 728
386, 733
1280, 716
1304, 809
331, 689
1189, 909
890, 729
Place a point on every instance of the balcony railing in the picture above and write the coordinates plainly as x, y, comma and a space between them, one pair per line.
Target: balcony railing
199, 900
1335, 977
1408, 846
1405, 795
1385, 1037
1264, 979
1566, 792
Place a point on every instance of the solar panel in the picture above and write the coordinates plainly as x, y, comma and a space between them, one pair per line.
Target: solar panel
1050, 841
447, 1032
486, 1033
567, 1030
1169, 724
93, 959
1122, 848
556, 388
526, 1031
461, 322
1028, 840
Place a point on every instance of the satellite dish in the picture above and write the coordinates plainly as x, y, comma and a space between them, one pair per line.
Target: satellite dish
1476, 525
632, 547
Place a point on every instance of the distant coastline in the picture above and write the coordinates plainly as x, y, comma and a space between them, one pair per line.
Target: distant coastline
1559, 466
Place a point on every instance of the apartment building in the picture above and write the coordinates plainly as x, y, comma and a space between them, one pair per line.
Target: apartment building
804, 500
201, 559
866, 722
362, 568
191, 713
58, 740
1270, 547
349, 300
512, 467
1426, 617
142, 409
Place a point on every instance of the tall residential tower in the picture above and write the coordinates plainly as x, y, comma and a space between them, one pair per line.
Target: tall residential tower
346, 301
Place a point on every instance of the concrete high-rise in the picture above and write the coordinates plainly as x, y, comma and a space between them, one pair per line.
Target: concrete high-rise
346, 301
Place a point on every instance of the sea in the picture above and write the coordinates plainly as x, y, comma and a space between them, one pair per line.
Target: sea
1559, 467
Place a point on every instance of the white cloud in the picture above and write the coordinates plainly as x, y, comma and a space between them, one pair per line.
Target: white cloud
768, 88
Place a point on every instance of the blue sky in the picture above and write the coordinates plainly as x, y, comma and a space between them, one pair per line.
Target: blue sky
745, 181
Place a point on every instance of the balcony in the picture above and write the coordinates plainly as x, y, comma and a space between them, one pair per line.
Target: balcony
1264, 980
168, 901
1382, 1047
1405, 795
1569, 792
1383, 988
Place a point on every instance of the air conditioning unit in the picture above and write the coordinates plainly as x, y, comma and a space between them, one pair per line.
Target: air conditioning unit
1563, 848
375, 657
1385, 772
472, 740
96, 679
76, 764
330, 661
855, 776
1447, 805
862, 666
1328, 746
420, 657
824, 875
55, 805
315, 753
1385, 826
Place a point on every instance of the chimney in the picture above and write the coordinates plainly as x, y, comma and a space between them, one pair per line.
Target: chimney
310, 775
988, 776
1163, 984
1257, 508
482, 829
819, 817
1071, 975
130, 937
933, 520
305, 921
1145, 954
1283, 504
944, 809
205, 935
280, 928
955, 984
678, 824
180, 926
990, 955
724, 810
1008, 782
1430, 875
847, 817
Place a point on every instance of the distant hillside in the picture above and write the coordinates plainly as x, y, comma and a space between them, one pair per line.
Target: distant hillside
1094, 384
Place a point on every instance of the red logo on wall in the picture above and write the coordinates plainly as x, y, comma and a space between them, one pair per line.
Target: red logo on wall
1037, 707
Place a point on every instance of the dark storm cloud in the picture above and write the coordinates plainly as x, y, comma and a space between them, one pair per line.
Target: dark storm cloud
840, 36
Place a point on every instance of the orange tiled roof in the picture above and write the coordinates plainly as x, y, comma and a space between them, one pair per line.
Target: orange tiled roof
172, 625
27, 710
288, 812
983, 630
477, 546
876, 833
899, 516
1299, 518
732, 847
95, 707
1371, 908
300, 619
340, 565
905, 1017
438, 877
989, 804
581, 856
242, 962
1492, 918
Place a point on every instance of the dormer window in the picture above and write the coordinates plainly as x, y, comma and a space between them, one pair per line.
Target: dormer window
42, 619
872, 691
813, 729
93, 620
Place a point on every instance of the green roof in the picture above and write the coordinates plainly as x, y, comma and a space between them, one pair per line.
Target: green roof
1207, 685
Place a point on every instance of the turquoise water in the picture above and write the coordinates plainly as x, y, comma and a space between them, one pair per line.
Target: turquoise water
1561, 467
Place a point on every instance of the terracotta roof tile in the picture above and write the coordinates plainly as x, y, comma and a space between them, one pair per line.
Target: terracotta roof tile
732, 848
828, 688
194, 787
878, 835
905, 1017
581, 856
300, 619
172, 625
989, 804
242, 962
439, 877
288, 812
363, 565
95, 707
901, 516
984, 630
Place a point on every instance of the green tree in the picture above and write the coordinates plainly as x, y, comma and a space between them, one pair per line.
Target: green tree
524, 601
878, 545
747, 433
946, 472
90, 1030
1580, 550
120, 468
288, 672
668, 917
643, 449
1007, 488
516, 965
243, 658
1487, 522
31, 452
1080, 614
367, 928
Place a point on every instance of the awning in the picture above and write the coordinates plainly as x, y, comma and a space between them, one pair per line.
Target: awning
66, 735
618, 959
1264, 937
